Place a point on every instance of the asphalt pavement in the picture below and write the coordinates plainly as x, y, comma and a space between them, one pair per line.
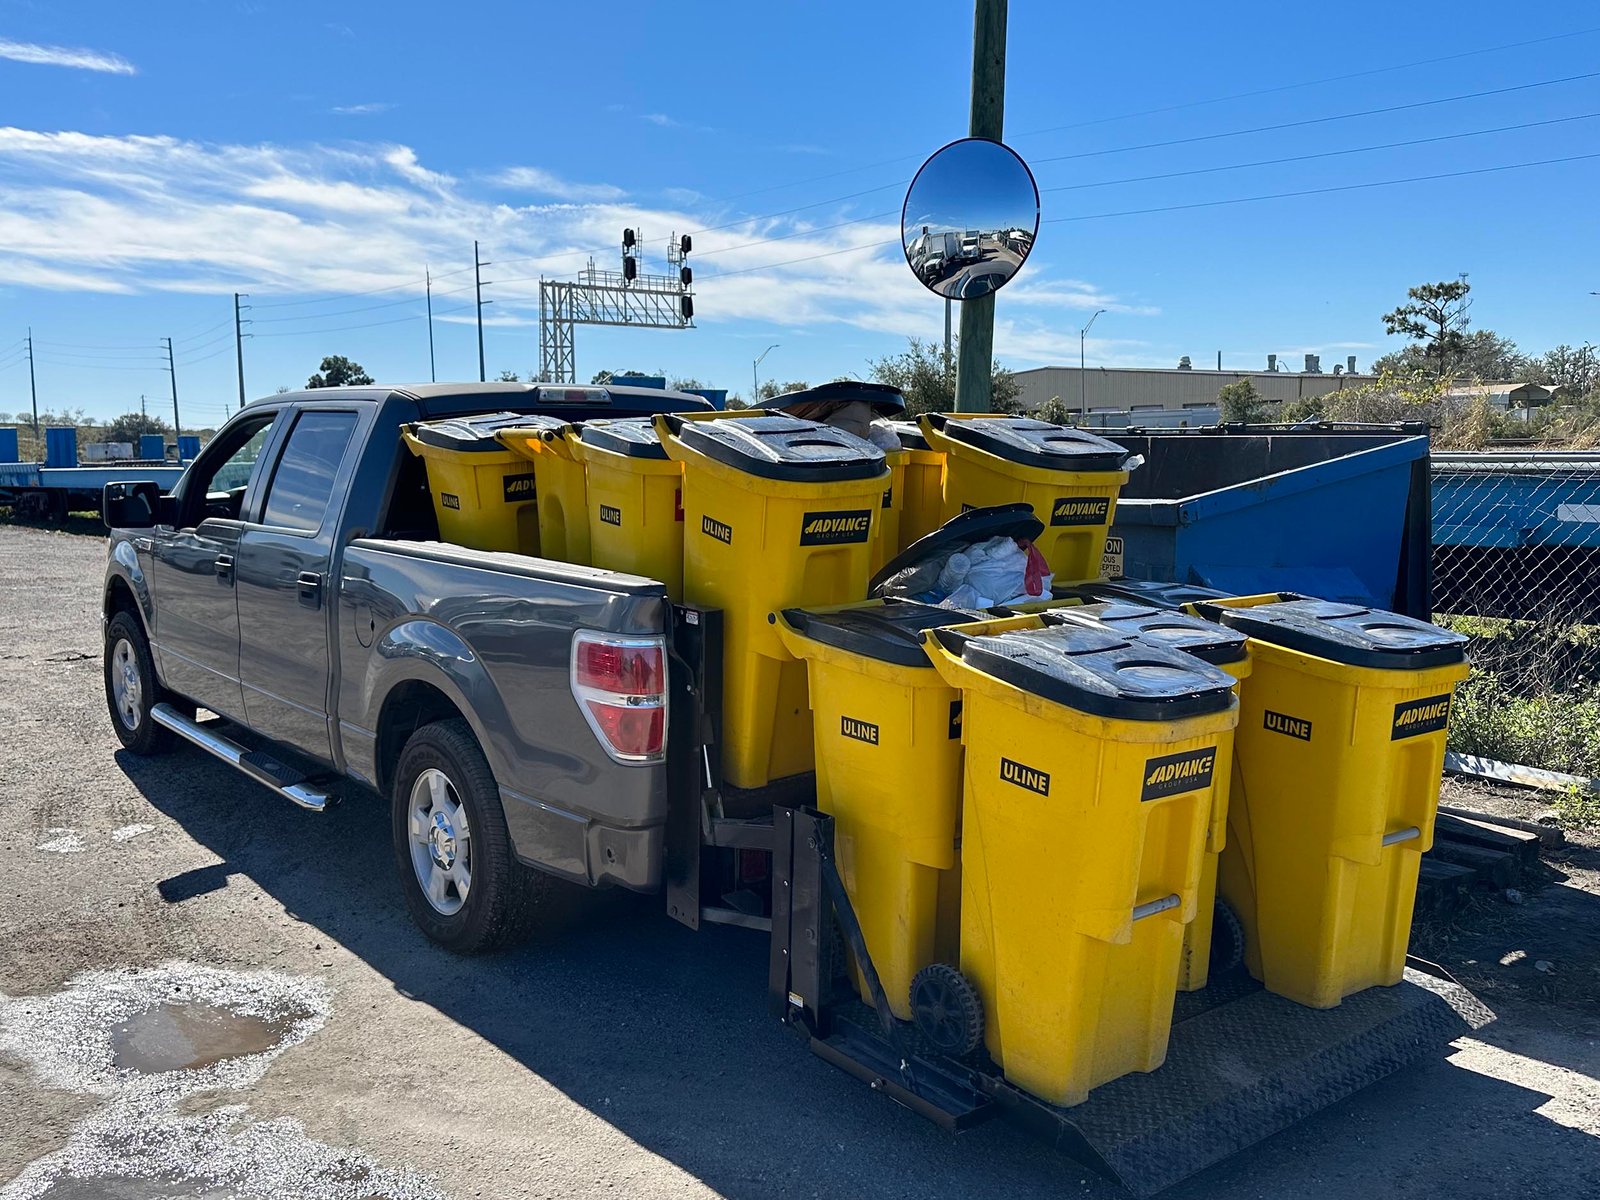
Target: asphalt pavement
201, 983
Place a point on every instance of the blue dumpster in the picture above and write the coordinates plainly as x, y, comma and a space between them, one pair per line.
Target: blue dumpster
60, 446
152, 447
1338, 512
8, 446
188, 447
718, 397
659, 382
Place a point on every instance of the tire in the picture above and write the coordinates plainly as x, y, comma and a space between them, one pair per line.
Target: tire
131, 687
1227, 940
463, 885
946, 1010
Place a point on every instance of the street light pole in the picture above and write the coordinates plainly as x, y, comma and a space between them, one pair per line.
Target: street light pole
755, 378
1083, 378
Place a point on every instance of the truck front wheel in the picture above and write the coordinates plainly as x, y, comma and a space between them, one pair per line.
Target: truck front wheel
131, 688
462, 883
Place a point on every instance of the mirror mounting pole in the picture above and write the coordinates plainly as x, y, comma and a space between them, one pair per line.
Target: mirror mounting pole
974, 366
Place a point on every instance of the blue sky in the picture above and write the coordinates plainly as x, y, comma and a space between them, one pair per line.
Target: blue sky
154, 159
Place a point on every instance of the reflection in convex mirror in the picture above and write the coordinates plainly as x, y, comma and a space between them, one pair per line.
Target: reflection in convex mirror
970, 219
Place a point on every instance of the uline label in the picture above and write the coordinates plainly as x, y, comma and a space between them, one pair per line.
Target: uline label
1416, 717
610, 514
1174, 774
861, 731
1031, 778
714, 528
1080, 510
1295, 727
449, 501
835, 528
518, 487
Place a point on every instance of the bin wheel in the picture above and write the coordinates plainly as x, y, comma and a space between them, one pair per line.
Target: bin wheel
946, 1010
1227, 939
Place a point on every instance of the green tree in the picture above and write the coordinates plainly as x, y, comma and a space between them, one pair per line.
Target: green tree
1573, 369
928, 380
1239, 401
684, 384
1484, 354
130, 427
339, 371
601, 378
772, 388
1436, 317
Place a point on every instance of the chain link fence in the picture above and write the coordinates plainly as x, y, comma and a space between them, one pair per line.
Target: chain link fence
1516, 562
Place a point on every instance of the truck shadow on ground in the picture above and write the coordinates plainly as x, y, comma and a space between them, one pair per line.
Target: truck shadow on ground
664, 1033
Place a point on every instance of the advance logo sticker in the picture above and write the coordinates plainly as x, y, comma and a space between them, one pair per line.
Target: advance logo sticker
1080, 510
1174, 774
1416, 717
610, 514
517, 487
861, 731
711, 527
1030, 778
835, 528
1295, 727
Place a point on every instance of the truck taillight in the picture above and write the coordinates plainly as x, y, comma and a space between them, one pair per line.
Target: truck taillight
621, 685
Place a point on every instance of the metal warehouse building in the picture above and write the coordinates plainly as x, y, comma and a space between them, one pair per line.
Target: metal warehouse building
1113, 389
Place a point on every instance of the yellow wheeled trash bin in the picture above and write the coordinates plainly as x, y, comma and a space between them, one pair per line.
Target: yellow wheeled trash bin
923, 490
635, 499
1091, 766
1341, 745
562, 486
888, 746
778, 513
1071, 478
483, 493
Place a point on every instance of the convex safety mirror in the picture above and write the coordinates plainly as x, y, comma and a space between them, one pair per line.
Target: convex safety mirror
970, 219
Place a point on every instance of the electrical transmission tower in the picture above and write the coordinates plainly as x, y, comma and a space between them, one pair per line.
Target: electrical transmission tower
627, 297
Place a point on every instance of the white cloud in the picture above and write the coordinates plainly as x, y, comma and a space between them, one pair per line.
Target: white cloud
361, 110
65, 56
660, 119
543, 183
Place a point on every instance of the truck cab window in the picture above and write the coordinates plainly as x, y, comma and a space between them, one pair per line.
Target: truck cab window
217, 485
302, 484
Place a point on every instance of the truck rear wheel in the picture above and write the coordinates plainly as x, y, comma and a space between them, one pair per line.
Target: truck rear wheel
462, 883
131, 687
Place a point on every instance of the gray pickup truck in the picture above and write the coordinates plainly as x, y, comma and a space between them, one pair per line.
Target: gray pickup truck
293, 584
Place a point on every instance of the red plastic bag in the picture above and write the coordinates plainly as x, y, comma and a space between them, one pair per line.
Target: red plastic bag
1037, 570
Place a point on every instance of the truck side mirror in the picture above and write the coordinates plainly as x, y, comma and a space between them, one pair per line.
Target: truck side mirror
130, 505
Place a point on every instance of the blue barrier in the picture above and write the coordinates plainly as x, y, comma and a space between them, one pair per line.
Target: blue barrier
152, 447
8, 446
60, 446
188, 447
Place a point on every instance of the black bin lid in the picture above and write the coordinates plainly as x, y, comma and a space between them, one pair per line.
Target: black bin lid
1096, 670
1205, 640
883, 397
910, 435
1034, 443
1141, 591
1346, 633
891, 632
476, 434
964, 529
774, 446
634, 437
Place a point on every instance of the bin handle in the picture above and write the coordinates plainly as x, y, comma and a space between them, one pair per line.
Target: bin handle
1401, 835
1151, 907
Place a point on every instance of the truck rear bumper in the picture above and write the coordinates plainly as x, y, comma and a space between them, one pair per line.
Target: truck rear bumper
582, 849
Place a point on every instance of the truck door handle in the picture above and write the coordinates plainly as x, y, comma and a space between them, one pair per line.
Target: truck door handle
225, 568
309, 584
143, 545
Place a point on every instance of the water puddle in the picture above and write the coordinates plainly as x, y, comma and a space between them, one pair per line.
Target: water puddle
179, 1037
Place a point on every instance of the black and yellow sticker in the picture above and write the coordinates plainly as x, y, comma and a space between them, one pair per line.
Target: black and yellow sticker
1031, 778
1295, 727
835, 528
449, 500
1080, 510
517, 487
861, 731
610, 514
712, 527
1174, 774
1416, 717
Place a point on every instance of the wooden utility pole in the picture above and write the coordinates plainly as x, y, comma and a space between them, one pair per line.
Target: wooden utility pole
33, 388
172, 373
433, 372
238, 345
477, 279
975, 366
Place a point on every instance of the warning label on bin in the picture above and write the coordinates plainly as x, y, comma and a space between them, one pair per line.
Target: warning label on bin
861, 731
711, 527
1080, 510
1416, 717
835, 528
1031, 778
1174, 774
1295, 727
449, 500
518, 487
610, 514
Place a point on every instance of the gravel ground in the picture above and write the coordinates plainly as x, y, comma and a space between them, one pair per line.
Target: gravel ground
616, 1054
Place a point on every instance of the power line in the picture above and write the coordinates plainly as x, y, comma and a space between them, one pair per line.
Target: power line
340, 328
1367, 112
338, 312
805, 258
335, 296
1345, 187
1272, 162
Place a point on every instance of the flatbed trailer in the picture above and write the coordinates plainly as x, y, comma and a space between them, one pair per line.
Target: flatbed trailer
1242, 1064
37, 490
